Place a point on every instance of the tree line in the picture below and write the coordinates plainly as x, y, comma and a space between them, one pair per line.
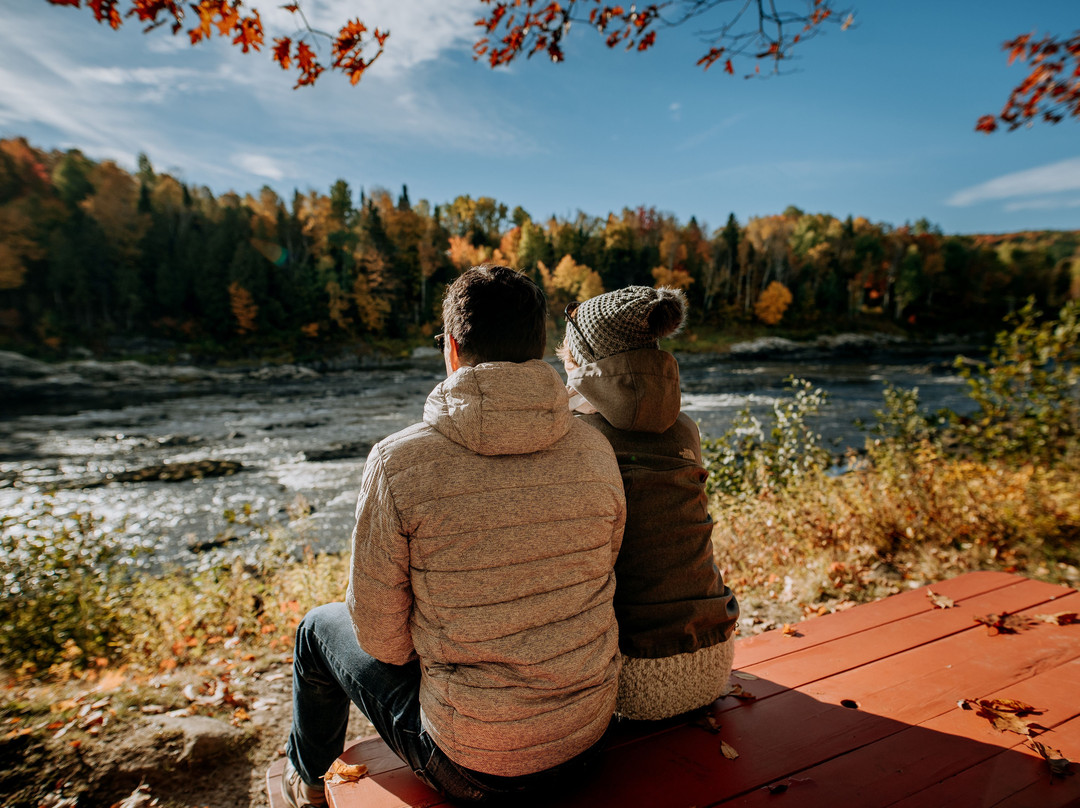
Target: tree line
90, 251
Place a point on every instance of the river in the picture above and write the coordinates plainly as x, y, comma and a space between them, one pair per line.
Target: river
301, 442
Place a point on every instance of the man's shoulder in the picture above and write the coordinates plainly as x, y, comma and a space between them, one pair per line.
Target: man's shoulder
583, 435
419, 436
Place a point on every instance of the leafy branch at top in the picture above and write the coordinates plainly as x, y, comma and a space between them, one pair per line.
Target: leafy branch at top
1050, 91
758, 29
229, 18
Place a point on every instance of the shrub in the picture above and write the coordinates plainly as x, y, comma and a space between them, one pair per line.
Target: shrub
63, 588
1027, 392
749, 458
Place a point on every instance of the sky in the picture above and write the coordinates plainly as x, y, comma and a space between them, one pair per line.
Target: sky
875, 121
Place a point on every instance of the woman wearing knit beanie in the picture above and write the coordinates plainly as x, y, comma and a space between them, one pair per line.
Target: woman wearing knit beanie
676, 616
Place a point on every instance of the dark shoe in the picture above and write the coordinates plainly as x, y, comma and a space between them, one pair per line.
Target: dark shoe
297, 793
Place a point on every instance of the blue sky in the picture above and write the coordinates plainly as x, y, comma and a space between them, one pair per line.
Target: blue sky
877, 121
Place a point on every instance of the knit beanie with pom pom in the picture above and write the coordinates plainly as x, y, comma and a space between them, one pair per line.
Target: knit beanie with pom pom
623, 320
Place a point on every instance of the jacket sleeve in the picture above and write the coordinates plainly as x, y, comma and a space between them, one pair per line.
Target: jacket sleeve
380, 597
619, 525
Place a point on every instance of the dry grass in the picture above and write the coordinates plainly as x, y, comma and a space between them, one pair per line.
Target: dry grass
900, 522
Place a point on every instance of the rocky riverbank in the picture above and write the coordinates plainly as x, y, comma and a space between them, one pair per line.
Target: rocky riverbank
28, 385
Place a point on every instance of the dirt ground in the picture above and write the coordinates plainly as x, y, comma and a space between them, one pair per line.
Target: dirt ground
155, 746
183, 739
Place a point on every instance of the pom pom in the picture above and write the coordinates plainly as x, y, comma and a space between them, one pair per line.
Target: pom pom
668, 312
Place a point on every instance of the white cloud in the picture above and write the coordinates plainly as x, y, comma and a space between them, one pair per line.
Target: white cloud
261, 166
1054, 203
1053, 178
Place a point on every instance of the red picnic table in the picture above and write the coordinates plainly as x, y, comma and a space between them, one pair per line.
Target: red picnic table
858, 708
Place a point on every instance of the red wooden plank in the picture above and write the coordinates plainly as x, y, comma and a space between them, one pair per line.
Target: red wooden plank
390, 782
918, 757
934, 676
793, 731
1044, 791
867, 616
803, 665
373, 753
676, 765
396, 788
1005, 779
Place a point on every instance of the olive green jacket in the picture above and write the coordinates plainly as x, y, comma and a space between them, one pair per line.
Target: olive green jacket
670, 597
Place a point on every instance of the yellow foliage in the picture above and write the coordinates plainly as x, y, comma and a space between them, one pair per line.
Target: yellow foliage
675, 278
369, 290
569, 281
464, 255
243, 308
772, 304
371, 308
508, 248
114, 204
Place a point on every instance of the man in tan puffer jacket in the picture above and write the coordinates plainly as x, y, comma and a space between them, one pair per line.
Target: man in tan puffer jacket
478, 633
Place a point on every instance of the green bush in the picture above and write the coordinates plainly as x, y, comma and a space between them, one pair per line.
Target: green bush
751, 457
63, 588
1027, 392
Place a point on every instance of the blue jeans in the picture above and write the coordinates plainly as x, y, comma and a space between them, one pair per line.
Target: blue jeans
330, 669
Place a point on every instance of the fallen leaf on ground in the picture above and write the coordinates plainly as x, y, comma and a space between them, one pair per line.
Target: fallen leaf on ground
1006, 719
940, 601
1059, 619
138, 798
1058, 763
741, 675
110, 680
1003, 623
1011, 706
737, 692
791, 631
340, 772
728, 751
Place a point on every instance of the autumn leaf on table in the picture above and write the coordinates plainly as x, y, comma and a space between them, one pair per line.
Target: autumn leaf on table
940, 601
737, 692
728, 751
790, 630
1060, 766
1060, 619
1005, 715
341, 772
1011, 706
1004, 623
742, 675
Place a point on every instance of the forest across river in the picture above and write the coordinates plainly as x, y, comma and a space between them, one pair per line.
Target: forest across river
186, 460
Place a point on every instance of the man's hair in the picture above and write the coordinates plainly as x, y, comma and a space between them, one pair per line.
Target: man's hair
495, 315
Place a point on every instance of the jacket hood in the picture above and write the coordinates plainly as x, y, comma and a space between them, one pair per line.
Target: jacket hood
501, 408
636, 390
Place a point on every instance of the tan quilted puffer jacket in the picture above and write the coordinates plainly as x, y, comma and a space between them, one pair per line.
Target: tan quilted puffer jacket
484, 546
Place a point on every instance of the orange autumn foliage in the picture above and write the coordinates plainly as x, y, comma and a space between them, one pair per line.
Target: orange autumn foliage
1050, 91
243, 308
772, 303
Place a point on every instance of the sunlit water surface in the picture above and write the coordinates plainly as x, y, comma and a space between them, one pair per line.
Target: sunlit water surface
305, 442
